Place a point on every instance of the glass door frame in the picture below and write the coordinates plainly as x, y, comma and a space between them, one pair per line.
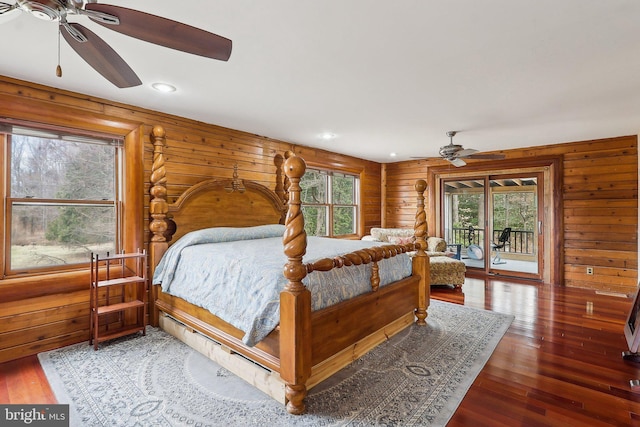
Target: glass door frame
483, 186
474, 234
490, 233
552, 264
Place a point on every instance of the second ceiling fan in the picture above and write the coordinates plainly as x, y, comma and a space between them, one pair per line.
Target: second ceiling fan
455, 153
140, 25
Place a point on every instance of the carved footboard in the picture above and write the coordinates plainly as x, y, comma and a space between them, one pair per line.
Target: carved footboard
295, 299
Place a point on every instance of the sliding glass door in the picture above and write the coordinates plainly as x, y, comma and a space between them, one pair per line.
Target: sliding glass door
464, 218
497, 220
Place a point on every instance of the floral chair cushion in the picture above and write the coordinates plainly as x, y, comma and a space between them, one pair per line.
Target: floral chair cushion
384, 234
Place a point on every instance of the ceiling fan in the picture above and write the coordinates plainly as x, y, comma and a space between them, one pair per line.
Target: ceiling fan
454, 153
140, 25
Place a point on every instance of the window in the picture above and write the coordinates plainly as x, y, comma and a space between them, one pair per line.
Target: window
329, 203
61, 199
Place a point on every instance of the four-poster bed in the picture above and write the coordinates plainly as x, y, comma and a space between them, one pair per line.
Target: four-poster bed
306, 346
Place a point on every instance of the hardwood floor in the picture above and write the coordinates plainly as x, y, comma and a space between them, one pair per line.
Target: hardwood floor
23, 381
559, 364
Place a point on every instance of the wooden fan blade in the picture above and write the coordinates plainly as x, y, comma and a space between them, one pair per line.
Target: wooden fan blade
102, 57
486, 156
466, 152
165, 32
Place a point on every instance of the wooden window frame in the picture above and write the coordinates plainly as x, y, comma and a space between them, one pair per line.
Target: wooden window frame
28, 112
330, 205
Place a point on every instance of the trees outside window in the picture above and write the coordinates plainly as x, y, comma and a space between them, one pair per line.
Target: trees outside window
61, 200
465, 212
329, 203
516, 209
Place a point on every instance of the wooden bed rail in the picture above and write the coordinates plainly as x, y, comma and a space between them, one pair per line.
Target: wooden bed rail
363, 256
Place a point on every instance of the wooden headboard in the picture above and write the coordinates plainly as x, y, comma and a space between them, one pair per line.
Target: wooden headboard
217, 202
211, 204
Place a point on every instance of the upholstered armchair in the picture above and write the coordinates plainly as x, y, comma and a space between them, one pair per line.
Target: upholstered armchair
390, 235
437, 246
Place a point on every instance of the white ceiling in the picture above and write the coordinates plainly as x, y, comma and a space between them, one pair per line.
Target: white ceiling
383, 76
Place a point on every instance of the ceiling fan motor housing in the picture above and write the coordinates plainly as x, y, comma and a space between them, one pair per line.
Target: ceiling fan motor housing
449, 151
47, 10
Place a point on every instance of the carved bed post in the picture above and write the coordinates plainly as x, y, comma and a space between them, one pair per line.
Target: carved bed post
421, 259
158, 209
295, 299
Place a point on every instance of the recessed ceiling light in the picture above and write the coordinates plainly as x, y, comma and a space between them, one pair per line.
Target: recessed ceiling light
327, 136
163, 87
392, 154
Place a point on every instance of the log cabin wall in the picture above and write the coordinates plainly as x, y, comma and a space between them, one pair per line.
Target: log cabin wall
599, 195
40, 313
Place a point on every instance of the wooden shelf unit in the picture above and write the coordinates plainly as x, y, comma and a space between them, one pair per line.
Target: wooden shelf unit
121, 277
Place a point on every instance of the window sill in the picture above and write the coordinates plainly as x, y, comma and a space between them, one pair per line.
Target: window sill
33, 286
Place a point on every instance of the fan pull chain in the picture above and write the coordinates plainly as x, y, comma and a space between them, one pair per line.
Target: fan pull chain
59, 68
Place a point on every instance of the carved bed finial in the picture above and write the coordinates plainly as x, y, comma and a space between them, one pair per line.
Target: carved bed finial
287, 182
295, 237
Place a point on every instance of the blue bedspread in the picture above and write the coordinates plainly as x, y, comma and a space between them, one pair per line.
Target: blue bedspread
237, 274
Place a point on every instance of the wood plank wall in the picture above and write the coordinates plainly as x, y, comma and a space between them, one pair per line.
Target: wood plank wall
600, 207
43, 313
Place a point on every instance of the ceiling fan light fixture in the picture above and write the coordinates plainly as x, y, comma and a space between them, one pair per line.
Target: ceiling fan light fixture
163, 87
457, 162
44, 15
47, 10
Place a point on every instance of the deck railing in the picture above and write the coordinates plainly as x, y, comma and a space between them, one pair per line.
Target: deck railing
519, 242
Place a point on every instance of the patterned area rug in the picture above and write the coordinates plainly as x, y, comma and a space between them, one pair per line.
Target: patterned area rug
416, 378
